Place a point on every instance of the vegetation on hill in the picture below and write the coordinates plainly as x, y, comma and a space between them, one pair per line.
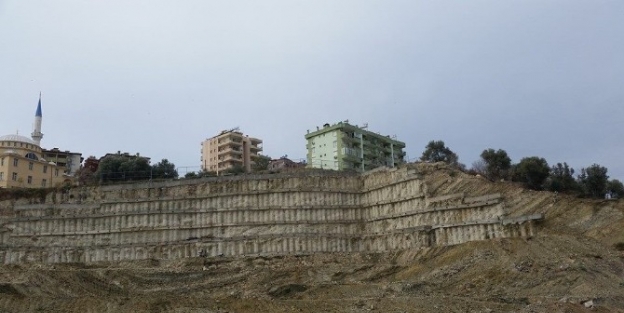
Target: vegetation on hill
119, 168
532, 172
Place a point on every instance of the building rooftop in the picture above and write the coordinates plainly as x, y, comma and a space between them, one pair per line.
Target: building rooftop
346, 126
18, 138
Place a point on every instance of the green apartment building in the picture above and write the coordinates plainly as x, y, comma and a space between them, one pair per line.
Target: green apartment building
343, 146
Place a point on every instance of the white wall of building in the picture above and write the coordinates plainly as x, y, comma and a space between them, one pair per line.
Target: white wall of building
325, 150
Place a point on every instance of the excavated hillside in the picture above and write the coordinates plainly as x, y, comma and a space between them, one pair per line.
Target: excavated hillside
574, 263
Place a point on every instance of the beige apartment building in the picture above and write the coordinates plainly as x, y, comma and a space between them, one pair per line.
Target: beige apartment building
228, 150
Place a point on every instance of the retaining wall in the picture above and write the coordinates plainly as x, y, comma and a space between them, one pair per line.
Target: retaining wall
250, 215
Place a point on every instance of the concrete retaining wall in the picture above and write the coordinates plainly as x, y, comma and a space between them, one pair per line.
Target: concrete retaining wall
250, 215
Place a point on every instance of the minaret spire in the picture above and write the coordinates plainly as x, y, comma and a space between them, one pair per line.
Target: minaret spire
36, 134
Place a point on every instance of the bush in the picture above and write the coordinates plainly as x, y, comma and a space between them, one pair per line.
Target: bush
532, 172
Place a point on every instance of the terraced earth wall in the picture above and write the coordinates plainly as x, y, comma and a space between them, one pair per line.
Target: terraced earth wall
272, 214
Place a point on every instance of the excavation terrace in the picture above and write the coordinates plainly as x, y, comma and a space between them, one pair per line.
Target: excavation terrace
293, 213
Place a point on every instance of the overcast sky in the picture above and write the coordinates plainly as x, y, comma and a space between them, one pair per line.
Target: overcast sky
535, 78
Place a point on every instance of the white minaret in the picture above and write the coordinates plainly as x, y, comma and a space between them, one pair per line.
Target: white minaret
36, 134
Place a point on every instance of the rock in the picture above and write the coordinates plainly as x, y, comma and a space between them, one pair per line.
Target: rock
286, 290
589, 304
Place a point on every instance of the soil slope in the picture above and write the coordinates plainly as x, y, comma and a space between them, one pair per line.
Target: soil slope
574, 264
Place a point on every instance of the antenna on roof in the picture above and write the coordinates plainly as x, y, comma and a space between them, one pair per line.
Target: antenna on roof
365, 126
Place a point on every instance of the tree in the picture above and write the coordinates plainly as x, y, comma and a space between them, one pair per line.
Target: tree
164, 169
478, 167
191, 175
261, 163
85, 176
122, 168
532, 171
497, 163
436, 151
86, 173
562, 178
616, 187
205, 173
593, 180
234, 170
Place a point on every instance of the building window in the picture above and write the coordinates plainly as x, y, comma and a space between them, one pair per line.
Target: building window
30, 166
14, 177
1, 176
30, 180
2, 162
45, 168
15, 162
43, 183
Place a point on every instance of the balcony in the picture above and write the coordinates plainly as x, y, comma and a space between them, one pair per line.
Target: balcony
231, 159
351, 157
230, 139
229, 150
229, 142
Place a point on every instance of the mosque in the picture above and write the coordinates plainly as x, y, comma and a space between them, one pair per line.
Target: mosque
23, 163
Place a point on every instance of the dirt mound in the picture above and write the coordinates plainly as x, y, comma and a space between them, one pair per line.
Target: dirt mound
574, 264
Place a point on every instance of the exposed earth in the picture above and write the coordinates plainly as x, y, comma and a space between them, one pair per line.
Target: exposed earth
575, 263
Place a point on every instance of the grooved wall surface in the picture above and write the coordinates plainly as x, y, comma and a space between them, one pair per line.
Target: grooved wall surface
250, 215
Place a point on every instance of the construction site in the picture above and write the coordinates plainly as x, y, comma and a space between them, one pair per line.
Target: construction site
417, 238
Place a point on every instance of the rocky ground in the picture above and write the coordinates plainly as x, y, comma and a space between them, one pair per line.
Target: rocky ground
574, 264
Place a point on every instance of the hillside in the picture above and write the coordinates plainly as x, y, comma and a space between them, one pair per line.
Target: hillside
573, 258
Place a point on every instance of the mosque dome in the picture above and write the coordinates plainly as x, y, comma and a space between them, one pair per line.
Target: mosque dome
18, 138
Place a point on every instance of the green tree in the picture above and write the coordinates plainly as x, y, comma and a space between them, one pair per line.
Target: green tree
561, 178
497, 163
191, 175
616, 187
593, 180
123, 168
205, 173
261, 163
437, 151
164, 169
532, 172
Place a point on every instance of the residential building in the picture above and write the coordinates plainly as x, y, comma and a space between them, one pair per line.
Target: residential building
23, 162
343, 146
228, 150
70, 160
284, 163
